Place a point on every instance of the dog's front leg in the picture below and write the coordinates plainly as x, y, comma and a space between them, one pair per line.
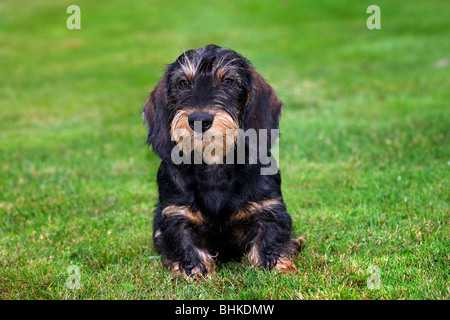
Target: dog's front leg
269, 235
176, 237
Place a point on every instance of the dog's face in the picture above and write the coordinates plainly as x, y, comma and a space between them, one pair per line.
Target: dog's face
206, 95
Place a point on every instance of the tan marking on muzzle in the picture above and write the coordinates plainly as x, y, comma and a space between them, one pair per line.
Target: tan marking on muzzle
214, 143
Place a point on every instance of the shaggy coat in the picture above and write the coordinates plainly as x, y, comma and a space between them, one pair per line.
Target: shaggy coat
212, 210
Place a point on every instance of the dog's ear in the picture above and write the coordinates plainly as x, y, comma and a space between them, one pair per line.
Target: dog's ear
156, 117
263, 107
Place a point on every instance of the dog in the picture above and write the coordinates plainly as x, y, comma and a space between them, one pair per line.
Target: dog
210, 210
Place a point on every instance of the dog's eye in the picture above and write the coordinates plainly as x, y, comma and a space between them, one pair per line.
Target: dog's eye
183, 83
228, 82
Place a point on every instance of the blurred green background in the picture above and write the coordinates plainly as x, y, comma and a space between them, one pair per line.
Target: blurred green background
364, 152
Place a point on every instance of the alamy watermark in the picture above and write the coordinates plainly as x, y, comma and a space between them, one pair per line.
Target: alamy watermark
374, 21
73, 282
235, 147
374, 281
74, 20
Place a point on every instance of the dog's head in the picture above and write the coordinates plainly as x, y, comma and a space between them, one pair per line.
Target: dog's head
205, 95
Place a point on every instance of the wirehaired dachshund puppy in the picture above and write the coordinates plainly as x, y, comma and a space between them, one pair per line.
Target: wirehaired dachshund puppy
212, 119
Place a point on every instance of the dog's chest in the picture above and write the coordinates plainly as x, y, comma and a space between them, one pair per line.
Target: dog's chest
215, 190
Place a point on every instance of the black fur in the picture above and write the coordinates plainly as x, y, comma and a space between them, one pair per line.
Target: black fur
237, 208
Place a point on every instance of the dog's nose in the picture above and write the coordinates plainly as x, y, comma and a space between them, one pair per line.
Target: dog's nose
205, 118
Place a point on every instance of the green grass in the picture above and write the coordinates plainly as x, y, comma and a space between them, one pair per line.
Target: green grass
364, 152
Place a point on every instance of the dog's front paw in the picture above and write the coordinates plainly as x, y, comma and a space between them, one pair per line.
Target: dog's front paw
200, 266
190, 272
286, 265
270, 262
265, 258
272, 258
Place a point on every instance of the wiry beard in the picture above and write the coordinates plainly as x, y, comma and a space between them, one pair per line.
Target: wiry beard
213, 144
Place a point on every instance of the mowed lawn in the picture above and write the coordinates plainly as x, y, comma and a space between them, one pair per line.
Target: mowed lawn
364, 149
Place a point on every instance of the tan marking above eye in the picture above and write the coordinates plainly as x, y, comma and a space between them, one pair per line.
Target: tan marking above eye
220, 74
189, 68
